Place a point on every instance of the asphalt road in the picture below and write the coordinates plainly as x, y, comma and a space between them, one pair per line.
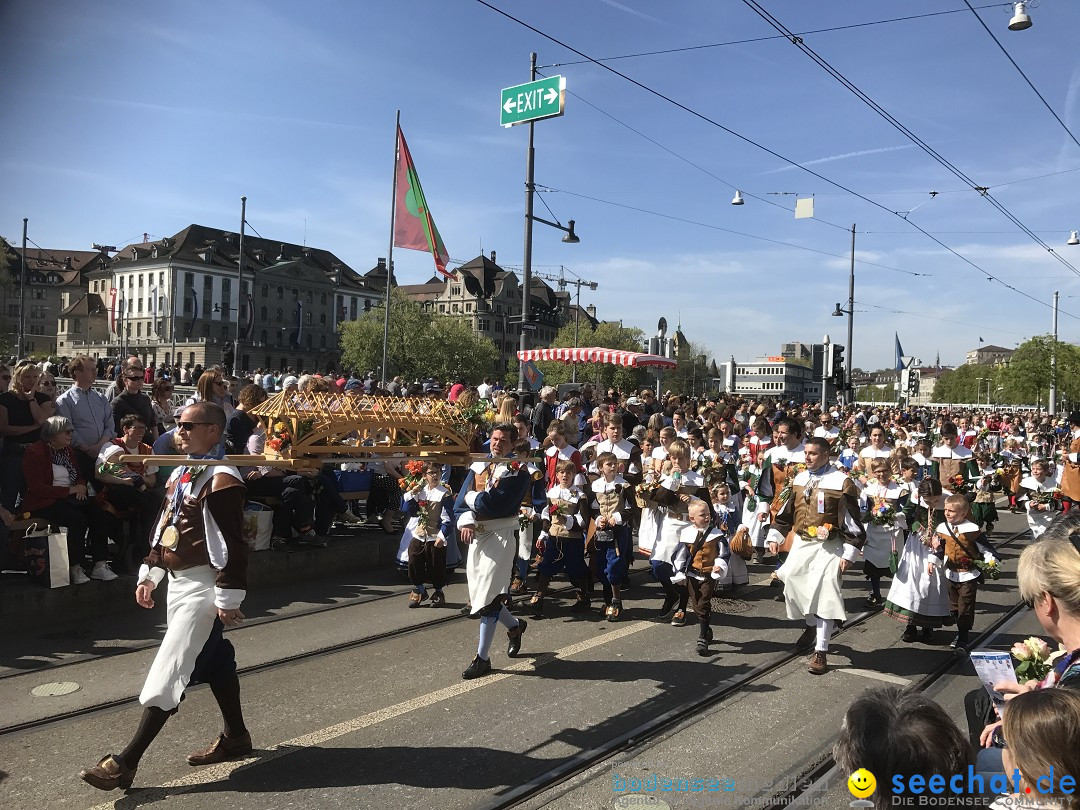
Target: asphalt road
392, 724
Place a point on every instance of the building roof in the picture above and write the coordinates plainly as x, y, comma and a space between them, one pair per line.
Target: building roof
993, 348
221, 249
88, 304
54, 266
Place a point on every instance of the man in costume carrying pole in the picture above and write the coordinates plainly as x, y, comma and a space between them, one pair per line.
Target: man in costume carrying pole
487, 512
198, 542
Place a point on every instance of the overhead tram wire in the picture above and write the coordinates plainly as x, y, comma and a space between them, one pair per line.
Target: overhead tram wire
1020, 70
729, 230
981, 326
697, 166
745, 139
774, 36
984, 191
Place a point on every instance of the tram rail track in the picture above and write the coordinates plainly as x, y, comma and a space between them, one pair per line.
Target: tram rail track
585, 760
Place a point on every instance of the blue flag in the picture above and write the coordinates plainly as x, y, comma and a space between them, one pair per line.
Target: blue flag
533, 376
899, 353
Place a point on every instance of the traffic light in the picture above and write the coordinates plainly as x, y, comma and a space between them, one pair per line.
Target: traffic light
913, 381
838, 366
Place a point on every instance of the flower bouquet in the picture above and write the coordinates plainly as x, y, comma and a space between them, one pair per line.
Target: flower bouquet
1035, 659
280, 438
958, 484
989, 566
881, 514
414, 475
1045, 498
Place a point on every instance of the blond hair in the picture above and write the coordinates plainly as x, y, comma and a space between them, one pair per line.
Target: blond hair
1042, 729
1051, 565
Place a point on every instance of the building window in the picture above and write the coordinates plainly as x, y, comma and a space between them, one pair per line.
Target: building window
322, 299
280, 315
295, 294
442, 309
280, 293
352, 309
311, 297
468, 307
138, 329
262, 313
322, 342
367, 305
189, 279
307, 318
322, 319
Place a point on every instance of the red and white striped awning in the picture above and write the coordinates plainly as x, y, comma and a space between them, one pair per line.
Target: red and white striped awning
614, 357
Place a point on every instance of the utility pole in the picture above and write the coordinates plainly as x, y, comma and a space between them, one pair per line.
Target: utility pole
22, 295
526, 269
240, 288
1052, 405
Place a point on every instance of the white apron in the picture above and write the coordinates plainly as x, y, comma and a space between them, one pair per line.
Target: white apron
491, 559
811, 577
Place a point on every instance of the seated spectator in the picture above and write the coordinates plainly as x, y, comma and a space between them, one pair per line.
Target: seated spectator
296, 512
131, 485
56, 492
161, 398
168, 444
1048, 574
892, 731
1042, 729
23, 409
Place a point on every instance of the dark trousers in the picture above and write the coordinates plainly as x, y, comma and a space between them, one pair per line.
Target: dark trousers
701, 594
962, 602
328, 501
82, 519
295, 510
12, 483
216, 660
427, 563
147, 505
663, 572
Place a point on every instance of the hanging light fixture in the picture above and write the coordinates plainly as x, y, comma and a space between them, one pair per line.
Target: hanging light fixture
1020, 19
1074, 238
737, 200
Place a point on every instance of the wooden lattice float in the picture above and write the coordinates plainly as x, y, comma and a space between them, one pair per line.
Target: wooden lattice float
306, 430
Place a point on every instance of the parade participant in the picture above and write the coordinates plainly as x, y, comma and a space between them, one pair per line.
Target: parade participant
761, 440
610, 531
1013, 473
923, 454
827, 536
701, 561
673, 495
884, 523
779, 468
428, 532
556, 449
199, 542
986, 483
1043, 497
487, 517
918, 595
1070, 467
963, 547
849, 456
875, 450
562, 538
951, 463
727, 512
628, 453
648, 512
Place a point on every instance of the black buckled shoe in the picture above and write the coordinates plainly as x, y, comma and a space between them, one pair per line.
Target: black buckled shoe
514, 635
702, 647
222, 749
909, 635
477, 669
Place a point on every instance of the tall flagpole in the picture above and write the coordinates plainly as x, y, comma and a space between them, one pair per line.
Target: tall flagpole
390, 253
239, 288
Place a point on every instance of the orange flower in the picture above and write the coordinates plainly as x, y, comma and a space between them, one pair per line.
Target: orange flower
414, 467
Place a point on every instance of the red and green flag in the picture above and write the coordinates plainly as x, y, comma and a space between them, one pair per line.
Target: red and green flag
413, 226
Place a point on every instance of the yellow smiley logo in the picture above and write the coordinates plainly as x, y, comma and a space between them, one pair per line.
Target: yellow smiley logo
861, 783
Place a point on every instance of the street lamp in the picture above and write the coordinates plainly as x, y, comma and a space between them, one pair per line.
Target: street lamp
826, 368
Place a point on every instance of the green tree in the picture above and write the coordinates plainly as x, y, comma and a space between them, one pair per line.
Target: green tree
691, 375
1026, 378
419, 346
962, 384
608, 335
876, 393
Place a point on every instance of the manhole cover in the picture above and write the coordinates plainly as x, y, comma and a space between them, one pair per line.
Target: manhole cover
730, 605
55, 689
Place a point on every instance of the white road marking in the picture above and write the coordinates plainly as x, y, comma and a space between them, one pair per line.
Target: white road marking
222, 770
877, 676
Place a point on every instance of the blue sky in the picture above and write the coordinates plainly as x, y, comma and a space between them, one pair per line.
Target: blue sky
131, 117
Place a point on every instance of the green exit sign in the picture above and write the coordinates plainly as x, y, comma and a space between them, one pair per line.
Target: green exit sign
532, 101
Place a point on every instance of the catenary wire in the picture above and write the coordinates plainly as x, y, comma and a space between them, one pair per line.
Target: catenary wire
729, 230
987, 274
774, 36
1020, 70
797, 41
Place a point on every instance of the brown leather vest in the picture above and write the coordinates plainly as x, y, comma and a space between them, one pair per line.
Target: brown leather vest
705, 556
191, 549
558, 524
961, 551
